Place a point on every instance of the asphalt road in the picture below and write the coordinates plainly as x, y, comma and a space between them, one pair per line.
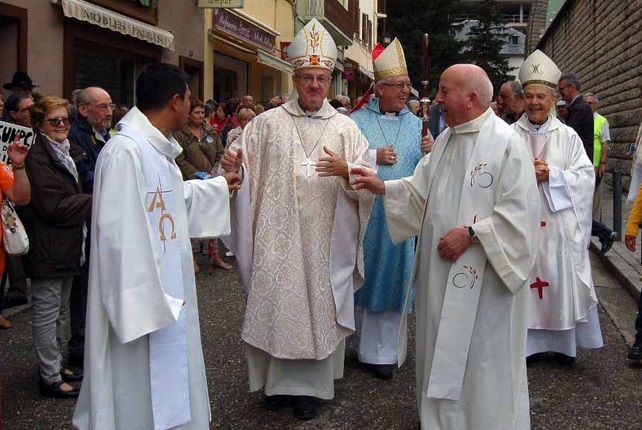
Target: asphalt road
601, 391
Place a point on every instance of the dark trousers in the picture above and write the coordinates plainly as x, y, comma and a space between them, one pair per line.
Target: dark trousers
600, 230
78, 314
17, 280
3, 283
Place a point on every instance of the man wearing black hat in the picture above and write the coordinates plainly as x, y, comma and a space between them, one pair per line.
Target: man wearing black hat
20, 83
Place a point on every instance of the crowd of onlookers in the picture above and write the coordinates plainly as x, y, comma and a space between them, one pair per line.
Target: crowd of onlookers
59, 172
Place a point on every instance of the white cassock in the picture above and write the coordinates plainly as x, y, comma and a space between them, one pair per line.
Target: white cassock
562, 297
472, 314
143, 359
298, 243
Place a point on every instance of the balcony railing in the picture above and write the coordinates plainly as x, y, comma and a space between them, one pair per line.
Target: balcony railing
339, 16
332, 12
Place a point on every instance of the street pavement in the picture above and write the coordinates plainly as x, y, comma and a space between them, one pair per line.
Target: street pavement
601, 391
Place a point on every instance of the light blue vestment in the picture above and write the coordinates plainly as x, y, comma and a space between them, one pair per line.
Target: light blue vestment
387, 267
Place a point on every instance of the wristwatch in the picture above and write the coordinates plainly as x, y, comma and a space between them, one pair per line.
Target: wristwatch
472, 235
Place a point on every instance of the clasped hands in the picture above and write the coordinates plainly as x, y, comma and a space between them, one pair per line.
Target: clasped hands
541, 170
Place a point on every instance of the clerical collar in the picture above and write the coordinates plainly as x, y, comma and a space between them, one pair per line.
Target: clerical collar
307, 112
474, 125
539, 128
389, 114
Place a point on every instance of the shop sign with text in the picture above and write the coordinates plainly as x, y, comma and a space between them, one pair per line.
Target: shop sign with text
232, 24
221, 3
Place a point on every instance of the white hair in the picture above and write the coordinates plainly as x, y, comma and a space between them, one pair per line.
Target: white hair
380, 82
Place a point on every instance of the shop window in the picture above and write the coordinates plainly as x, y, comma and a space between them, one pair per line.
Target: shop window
110, 72
230, 77
268, 88
194, 70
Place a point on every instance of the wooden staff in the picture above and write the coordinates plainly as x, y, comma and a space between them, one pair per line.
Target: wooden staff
425, 92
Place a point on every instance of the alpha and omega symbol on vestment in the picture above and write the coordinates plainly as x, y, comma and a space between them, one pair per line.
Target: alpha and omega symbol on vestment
481, 178
465, 279
158, 203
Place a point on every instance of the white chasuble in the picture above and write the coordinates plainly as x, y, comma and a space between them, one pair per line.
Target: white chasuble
561, 284
143, 359
470, 346
562, 295
301, 256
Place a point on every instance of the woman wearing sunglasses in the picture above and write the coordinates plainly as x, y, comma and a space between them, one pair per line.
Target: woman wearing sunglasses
55, 221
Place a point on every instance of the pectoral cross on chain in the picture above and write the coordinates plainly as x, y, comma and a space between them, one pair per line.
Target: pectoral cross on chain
308, 164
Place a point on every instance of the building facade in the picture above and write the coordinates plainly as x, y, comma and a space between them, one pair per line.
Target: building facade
358, 69
246, 50
69, 44
600, 42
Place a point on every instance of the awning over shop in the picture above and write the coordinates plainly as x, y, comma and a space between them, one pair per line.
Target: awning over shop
366, 72
274, 62
119, 23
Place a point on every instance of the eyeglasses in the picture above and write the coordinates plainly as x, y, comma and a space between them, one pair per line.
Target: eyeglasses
57, 121
104, 107
400, 86
306, 79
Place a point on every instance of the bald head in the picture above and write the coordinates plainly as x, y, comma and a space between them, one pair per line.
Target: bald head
95, 105
465, 93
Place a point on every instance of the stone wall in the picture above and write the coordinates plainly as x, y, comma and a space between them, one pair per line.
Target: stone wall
601, 42
536, 24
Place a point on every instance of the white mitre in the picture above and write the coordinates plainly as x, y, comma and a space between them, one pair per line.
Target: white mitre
390, 62
538, 69
313, 47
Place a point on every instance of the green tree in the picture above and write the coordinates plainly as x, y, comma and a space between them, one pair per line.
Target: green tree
485, 41
410, 19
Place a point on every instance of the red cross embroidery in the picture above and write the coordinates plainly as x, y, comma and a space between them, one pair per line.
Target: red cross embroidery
542, 223
539, 284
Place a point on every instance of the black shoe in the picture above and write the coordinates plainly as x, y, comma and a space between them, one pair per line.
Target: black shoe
76, 360
54, 390
563, 359
608, 243
382, 371
276, 403
305, 407
535, 358
72, 377
635, 353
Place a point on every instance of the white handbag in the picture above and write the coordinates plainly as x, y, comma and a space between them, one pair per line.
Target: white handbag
14, 236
